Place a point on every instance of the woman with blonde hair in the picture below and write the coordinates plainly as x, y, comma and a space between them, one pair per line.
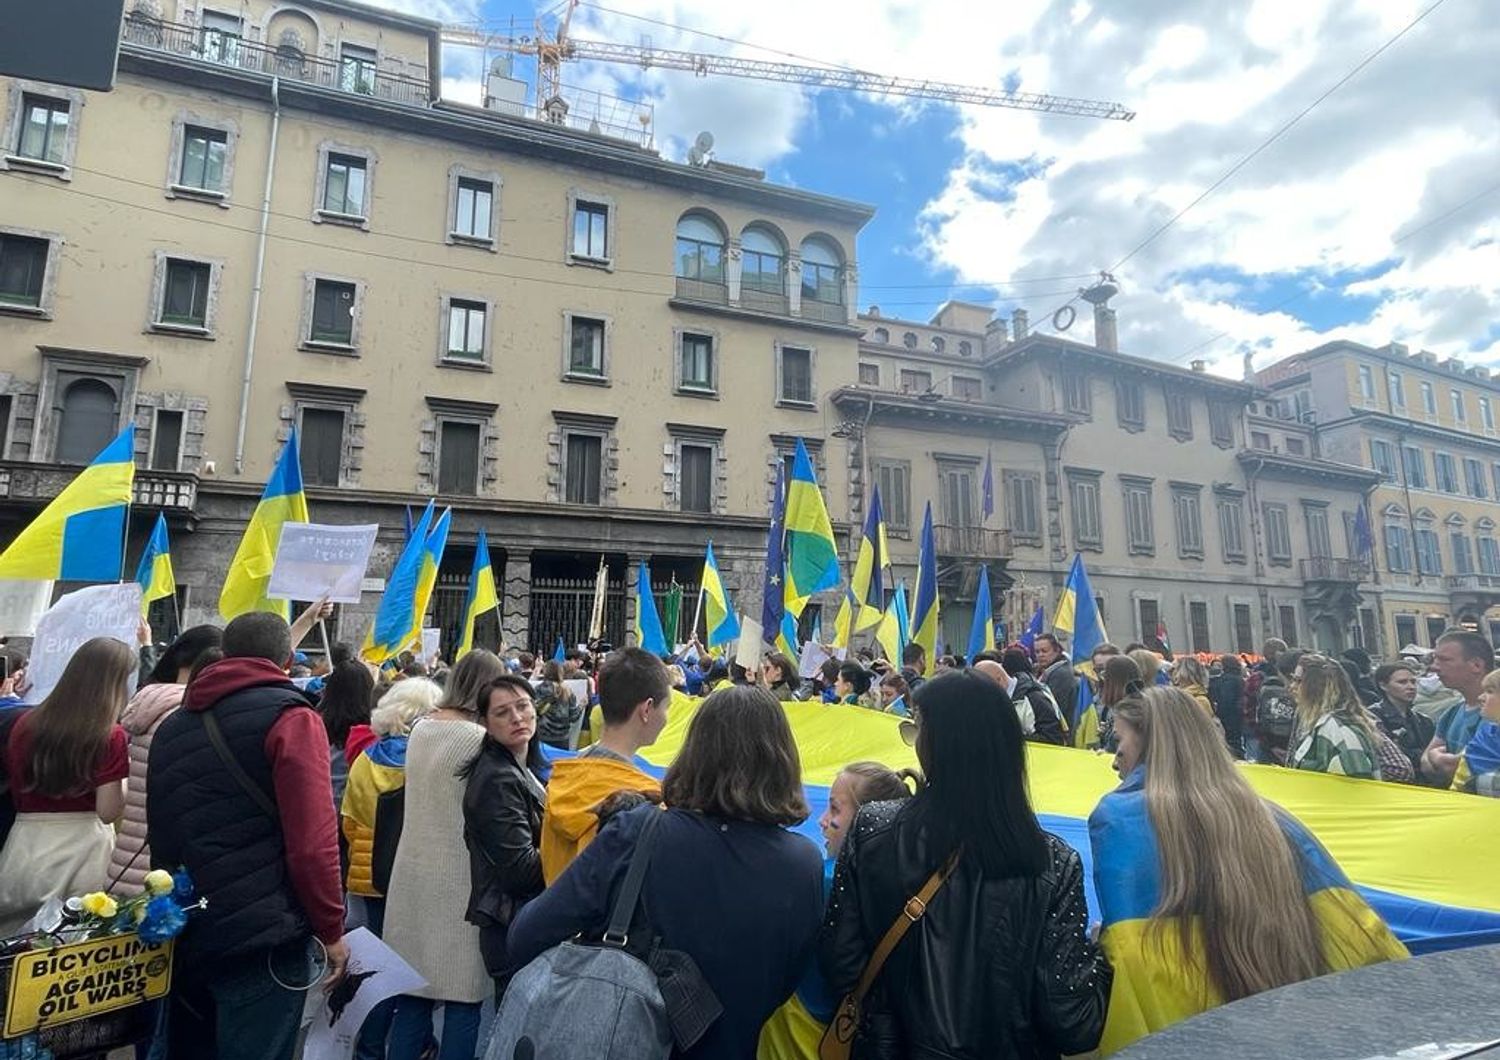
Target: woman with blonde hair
1333, 733
1188, 675
1209, 893
1149, 663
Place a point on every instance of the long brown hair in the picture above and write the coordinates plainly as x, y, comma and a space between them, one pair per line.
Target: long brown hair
738, 761
69, 729
476, 669
1325, 689
1121, 678
1227, 868
874, 782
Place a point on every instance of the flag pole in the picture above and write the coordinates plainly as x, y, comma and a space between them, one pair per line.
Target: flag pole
327, 651
697, 612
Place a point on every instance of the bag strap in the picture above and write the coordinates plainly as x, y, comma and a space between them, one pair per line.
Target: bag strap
914, 910
618, 931
237, 771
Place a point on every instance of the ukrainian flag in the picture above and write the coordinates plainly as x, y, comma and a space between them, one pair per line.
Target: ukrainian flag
1156, 984
1077, 615
648, 632
281, 502
1479, 764
864, 600
895, 626
431, 561
389, 633
482, 596
80, 536
155, 570
924, 618
723, 622
812, 554
982, 632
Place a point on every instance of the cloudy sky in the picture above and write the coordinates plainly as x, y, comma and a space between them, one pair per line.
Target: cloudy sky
1375, 218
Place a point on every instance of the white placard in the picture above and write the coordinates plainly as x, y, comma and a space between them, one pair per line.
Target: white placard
814, 655
750, 647
98, 611
21, 605
313, 561
376, 972
432, 640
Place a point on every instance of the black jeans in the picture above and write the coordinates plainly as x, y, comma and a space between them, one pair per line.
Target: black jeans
235, 1009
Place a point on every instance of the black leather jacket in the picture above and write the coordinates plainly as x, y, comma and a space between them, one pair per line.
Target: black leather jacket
503, 831
997, 968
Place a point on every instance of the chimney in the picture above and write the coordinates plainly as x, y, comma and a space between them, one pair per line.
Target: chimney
1106, 335
1200, 365
874, 311
1019, 324
996, 338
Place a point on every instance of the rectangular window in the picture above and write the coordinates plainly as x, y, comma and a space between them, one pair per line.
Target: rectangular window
1232, 528
1397, 548
221, 37
1278, 534
1474, 478
1130, 405
894, 480
44, 129
1023, 511
357, 69
1077, 398
1179, 414
1436, 625
967, 388
1140, 536
1429, 399
869, 374
1198, 626
1415, 466
586, 348
1260, 440
1319, 543
1244, 635
203, 154
1406, 629
1383, 459
1084, 497
344, 185
1366, 383
1489, 556
1188, 515
1486, 414
796, 375
1429, 552
322, 442
333, 313
584, 468
466, 324
1460, 410
166, 441
1150, 615
1445, 472
956, 496
1287, 619
472, 206
23, 265
1395, 390
1463, 554
697, 362
590, 230
915, 381
184, 297
458, 457
1221, 423
696, 478
1295, 446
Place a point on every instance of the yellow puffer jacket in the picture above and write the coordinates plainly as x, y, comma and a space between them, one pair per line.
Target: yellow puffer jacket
380, 769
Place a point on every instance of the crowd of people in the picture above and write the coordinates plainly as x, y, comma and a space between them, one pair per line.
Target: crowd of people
479, 816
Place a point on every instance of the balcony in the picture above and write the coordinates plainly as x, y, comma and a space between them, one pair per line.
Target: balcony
828, 312
702, 291
169, 491
972, 542
1472, 583
224, 49
1328, 569
764, 301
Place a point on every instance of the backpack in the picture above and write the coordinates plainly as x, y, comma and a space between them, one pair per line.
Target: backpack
390, 815
1275, 713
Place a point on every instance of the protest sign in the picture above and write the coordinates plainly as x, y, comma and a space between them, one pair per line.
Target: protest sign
814, 655
98, 611
68, 983
431, 644
376, 972
749, 651
21, 605
314, 561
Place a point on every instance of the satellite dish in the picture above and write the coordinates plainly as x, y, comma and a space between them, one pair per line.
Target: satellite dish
705, 142
695, 157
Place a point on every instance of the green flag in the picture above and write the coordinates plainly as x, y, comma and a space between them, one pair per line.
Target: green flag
671, 612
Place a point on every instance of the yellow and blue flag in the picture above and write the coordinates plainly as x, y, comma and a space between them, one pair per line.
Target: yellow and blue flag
155, 570
863, 604
1479, 764
281, 502
982, 632
80, 536
648, 632
812, 554
1077, 616
924, 615
723, 622
393, 618
433, 548
482, 595
895, 626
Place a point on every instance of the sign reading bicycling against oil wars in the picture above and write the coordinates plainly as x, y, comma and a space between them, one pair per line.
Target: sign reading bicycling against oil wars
53, 986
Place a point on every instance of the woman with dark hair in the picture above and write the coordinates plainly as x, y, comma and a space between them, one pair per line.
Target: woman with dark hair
998, 961
347, 697
1121, 678
131, 858
67, 761
503, 802
556, 706
779, 674
726, 883
851, 685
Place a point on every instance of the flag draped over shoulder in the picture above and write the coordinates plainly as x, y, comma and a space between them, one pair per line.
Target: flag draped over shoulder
80, 536
389, 633
281, 502
482, 596
982, 632
648, 632
723, 623
924, 614
812, 554
155, 570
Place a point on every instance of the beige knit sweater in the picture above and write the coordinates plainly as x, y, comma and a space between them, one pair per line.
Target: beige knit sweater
424, 913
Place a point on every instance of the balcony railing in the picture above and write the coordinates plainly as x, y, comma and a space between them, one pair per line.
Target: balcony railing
702, 290
224, 49
831, 312
763, 301
171, 490
1471, 582
975, 541
1328, 569
22, 480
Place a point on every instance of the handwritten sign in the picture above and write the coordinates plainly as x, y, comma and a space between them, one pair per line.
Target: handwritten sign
49, 987
431, 644
79, 617
313, 561
22, 604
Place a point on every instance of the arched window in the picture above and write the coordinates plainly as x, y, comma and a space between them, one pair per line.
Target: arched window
822, 273
89, 420
938, 345
882, 336
909, 340
700, 249
763, 260
965, 348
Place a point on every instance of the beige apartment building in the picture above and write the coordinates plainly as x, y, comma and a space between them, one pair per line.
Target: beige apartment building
272, 222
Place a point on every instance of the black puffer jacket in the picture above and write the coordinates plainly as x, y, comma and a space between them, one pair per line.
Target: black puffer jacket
1049, 726
997, 968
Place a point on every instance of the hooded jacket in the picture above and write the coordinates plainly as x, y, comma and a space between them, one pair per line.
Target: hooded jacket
577, 786
380, 769
131, 858
1049, 727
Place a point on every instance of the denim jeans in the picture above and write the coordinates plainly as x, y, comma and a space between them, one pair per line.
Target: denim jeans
377, 1026
235, 1009
412, 1028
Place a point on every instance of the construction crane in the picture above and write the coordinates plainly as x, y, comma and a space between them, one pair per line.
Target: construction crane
551, 52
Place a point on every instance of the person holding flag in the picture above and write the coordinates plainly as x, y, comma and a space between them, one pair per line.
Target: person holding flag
723, 623
482, 596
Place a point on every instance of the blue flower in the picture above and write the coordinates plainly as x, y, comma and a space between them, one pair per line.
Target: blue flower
182, 886
164, 920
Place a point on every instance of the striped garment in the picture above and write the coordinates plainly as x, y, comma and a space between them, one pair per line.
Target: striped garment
1334, 745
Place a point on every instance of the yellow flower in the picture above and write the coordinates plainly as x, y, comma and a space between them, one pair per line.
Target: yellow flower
138, 913
159, 881
100, 905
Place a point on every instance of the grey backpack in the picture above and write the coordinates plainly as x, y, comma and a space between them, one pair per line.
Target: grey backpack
597, 1001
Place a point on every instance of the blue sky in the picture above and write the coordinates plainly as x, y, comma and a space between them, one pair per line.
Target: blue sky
1375, 218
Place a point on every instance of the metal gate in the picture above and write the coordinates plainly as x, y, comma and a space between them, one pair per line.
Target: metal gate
449, 597
564, 606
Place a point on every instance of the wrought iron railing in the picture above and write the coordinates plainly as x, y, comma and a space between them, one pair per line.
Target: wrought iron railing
1471, 582
1328, 569
976, 541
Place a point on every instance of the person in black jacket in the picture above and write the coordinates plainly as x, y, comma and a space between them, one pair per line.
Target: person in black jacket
1228, 697
1044, 705
503, 818
1002, 964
